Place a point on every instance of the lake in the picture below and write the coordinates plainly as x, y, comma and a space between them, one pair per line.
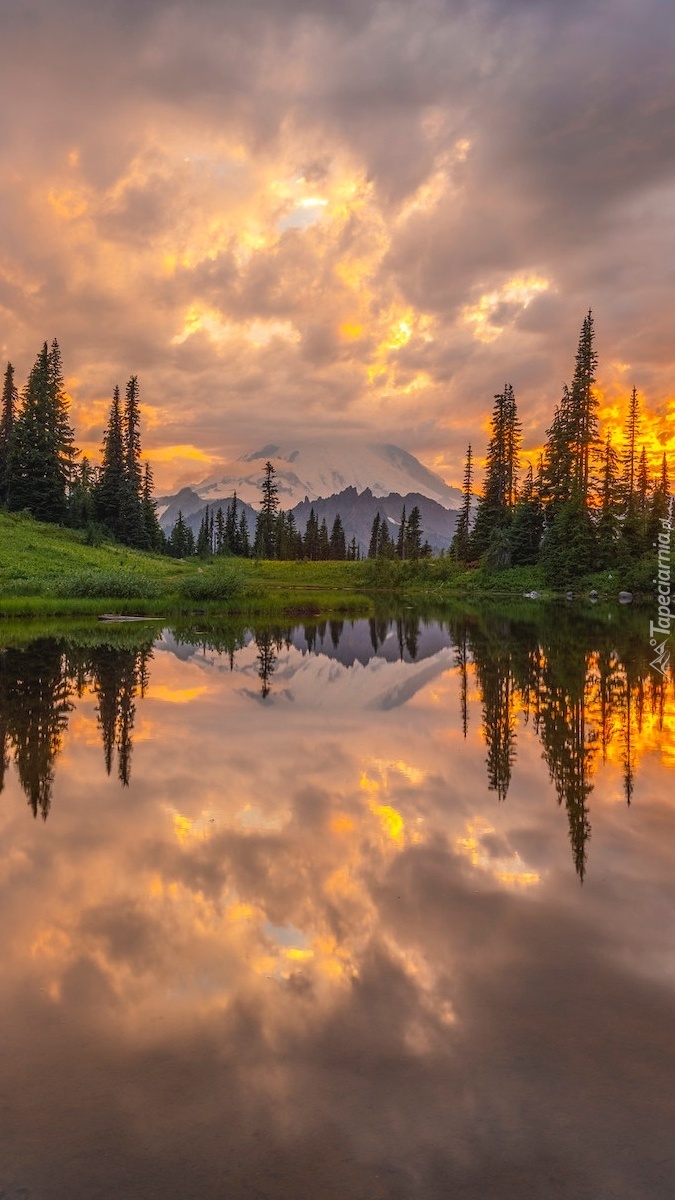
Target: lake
342, 910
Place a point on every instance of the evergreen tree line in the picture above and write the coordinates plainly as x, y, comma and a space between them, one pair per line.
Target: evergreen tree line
39, 468
408, 542
586, 506
276, 535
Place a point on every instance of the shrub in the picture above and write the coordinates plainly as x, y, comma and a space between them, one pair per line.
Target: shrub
217, 585
122, 585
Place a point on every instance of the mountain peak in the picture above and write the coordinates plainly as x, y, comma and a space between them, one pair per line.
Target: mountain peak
313, 469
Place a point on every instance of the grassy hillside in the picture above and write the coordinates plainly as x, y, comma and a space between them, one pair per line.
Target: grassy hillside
48, 571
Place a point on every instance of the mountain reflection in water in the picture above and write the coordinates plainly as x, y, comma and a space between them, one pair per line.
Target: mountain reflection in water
303, 922
587, 698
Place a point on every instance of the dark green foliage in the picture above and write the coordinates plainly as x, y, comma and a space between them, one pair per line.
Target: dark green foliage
181, 542
584, 405
311, 539
266, 532
525, 531
203, 547
460, 546
324, 543
608, 526
338, 542
40, 459
569, 546
629, 459
386, 547
131, 515
413, 535
501, 473
573, 436
7, 418
82, 512
154, 537
400, 541
374, 536
111, 482
660, 505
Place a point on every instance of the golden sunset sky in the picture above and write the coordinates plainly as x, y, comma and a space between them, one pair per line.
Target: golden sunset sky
329, 216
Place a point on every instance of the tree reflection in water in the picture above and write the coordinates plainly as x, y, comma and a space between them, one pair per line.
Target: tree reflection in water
37, 689
585, 686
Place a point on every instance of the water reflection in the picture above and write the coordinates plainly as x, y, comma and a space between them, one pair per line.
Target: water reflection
38, 687
322, 937
586, 689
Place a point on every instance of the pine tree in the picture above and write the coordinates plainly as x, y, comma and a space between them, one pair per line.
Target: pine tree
131, 507
265, 534
610, 495
643, 483
41, 455
400, 541
660, 505
323, 544
7, 419
501, 472
153, 530
311, 539
243, 542
203, 547
220, 531
64, 438
232, 527
557, 471
111, 481
569, 546
584, 406
526, 529
81, 501
374, 537
459, 547
386, 547
181, 542
413, 535
629, 458
338, 541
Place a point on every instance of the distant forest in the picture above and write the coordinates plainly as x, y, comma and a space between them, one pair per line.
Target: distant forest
585, 506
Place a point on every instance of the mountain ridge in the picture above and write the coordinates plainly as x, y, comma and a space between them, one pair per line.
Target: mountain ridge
356, 510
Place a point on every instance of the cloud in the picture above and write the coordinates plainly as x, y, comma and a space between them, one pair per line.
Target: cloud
176, 176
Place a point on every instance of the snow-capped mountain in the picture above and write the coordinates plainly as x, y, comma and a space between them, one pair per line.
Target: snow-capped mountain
313, 468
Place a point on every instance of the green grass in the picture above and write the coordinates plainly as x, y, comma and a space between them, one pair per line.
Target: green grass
49, 572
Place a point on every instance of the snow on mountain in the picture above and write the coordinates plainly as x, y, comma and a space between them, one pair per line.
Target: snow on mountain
310, 680
312, 468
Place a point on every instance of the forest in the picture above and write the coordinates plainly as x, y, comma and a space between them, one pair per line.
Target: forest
586, 505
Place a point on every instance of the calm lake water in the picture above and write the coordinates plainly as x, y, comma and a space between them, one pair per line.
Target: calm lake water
350, 911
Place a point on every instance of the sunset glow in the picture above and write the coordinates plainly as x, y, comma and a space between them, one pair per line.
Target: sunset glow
315, 238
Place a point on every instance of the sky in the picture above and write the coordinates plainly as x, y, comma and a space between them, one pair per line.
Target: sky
297, 218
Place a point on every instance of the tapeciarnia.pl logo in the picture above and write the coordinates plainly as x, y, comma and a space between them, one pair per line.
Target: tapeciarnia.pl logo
662, 625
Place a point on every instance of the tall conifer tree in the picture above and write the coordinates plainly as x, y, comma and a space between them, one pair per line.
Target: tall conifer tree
109, 492
41, 455
7, 419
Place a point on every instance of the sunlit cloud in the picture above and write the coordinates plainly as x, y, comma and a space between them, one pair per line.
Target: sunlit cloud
489, 316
